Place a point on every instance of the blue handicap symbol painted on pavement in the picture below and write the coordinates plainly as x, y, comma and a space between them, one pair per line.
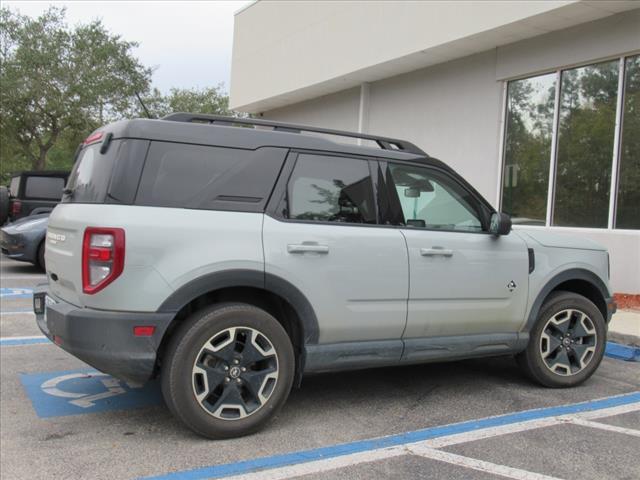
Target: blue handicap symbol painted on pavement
76, 392
16, 292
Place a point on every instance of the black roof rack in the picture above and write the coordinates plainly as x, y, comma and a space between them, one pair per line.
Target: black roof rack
384, 143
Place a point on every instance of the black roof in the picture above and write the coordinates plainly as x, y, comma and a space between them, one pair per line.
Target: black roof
229, 132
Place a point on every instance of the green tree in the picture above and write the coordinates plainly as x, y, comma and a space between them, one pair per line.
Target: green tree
59, 83
211, 100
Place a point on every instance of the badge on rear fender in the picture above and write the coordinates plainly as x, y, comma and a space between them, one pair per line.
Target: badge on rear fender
56, 237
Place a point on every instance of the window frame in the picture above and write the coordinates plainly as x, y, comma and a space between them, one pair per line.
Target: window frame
482, 208
277, 202
551, 180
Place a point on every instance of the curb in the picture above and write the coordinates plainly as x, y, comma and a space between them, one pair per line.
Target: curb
622, 352
623, 338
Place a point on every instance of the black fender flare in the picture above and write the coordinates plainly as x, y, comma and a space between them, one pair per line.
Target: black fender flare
247, 278
564, 276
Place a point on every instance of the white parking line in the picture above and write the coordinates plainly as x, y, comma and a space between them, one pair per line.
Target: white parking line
18, 312
475, 464
490, 432
606, 426
429, 449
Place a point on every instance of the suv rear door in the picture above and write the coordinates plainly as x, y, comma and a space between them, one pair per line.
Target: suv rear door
464, 281
323, 237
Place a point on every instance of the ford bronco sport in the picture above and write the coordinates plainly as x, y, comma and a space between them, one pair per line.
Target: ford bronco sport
230, 261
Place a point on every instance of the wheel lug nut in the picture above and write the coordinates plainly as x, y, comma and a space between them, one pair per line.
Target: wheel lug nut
238, 380
226, 367
236, 361
243, 369
227, 379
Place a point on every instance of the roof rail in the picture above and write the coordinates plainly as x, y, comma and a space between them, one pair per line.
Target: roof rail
384, 143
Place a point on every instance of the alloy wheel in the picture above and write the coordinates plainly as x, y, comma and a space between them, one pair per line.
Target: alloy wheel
235, 373
568, 342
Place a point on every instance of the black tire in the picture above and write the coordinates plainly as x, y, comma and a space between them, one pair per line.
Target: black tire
41, 263
184, 355
576, 357
4, 204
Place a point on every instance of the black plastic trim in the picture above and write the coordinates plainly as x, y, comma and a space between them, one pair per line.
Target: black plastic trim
571, 274
532, 259
247, 278
105, 339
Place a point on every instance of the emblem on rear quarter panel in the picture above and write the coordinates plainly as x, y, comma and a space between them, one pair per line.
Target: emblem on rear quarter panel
56, 237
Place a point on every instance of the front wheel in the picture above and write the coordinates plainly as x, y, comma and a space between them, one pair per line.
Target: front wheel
228, 370
567, 342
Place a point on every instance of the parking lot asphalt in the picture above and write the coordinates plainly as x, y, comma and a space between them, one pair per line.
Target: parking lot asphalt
472, 419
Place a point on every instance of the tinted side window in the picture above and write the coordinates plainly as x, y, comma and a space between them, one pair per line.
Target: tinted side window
430, 199
203, 177
331, 189
91, 174
49, 188
14, 186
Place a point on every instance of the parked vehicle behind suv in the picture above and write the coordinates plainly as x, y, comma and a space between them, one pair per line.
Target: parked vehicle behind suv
231, 261
31, 193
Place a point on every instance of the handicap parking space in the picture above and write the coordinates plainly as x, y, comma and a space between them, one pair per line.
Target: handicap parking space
61, 419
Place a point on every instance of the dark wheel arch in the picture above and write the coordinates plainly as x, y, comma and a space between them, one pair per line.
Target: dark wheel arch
269, 292
576, 280
269, 283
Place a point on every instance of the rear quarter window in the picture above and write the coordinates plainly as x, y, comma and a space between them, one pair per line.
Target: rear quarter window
91, 174
44, 188
205, 177
14, 186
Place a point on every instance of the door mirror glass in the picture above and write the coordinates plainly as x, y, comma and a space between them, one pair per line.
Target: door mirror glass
500, 224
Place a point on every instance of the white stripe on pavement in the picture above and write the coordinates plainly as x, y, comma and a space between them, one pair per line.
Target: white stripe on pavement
490, 432
606, 426
428, 449
475, 464
323, 466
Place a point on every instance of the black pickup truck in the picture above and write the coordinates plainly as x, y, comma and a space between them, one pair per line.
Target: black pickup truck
30, 193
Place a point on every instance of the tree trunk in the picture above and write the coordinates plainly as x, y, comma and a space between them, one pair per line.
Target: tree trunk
40, 162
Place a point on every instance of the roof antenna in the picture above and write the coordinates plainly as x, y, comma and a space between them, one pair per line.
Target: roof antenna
143, 106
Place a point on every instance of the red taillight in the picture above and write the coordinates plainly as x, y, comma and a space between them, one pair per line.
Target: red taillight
102, 257
16, 208
94, 137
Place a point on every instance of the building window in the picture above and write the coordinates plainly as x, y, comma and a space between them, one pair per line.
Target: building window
628, 204
585, 145
567, 133
530, 104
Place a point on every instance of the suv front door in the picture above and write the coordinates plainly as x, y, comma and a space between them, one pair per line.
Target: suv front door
323, 238
463, 280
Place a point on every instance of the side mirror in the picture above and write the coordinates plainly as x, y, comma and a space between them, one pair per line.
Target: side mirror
500, 224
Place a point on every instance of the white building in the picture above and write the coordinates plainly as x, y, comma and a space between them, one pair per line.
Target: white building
536, 103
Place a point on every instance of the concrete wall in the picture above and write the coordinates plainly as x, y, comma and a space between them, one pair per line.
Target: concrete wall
285, 52
454, 112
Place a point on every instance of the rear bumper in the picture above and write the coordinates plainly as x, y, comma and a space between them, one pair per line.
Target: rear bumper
612, 307
13, 246
103, 339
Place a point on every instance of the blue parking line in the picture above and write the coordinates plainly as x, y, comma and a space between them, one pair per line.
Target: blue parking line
8, 341
8, 293
304, 456
622, 352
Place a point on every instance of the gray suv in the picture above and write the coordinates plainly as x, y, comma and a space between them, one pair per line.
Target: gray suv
229, 257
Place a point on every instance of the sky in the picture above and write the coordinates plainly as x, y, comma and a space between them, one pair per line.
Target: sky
188, 42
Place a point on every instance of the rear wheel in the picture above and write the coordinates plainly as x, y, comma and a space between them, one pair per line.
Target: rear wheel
567, 342
4, 204
41, 263
228, 370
